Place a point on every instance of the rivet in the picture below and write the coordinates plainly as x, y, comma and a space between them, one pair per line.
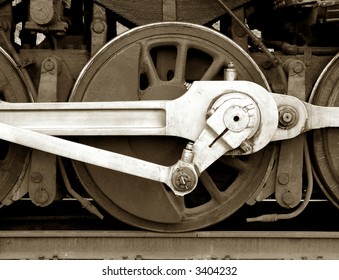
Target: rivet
283, 179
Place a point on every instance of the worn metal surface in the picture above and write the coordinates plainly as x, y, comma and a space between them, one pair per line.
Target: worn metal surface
169, 118
147, 245
289, 178
144, 12
237, 113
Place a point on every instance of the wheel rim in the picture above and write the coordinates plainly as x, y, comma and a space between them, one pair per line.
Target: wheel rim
159, 66
12, 157
326, 141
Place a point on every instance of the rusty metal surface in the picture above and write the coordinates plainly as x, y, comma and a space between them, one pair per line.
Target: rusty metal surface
148, 245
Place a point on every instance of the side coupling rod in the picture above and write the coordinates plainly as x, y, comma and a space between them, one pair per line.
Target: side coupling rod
216, 117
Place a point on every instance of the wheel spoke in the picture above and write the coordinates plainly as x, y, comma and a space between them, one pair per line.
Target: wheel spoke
178, 203
180, 65
149, 68
211, 187
235, 163
214, 69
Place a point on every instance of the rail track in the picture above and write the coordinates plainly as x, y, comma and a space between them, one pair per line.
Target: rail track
148, 245
79, 235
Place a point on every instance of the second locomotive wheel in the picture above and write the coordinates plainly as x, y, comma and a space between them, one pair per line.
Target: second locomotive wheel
13, 158
153, 62
326, 141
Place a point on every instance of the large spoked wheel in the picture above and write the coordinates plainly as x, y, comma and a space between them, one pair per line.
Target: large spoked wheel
159, 61
13, 158
326, 141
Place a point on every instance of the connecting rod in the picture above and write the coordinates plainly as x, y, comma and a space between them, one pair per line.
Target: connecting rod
219, 117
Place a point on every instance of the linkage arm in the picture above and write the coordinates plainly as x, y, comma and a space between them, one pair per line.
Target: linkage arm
85, 153
219, 116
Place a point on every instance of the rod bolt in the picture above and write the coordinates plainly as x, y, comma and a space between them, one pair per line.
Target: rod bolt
183, 179
288, 117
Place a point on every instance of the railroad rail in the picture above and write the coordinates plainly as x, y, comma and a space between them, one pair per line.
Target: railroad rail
149, 245
67, 231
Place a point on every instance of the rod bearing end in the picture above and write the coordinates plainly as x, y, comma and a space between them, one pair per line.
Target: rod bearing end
184, 178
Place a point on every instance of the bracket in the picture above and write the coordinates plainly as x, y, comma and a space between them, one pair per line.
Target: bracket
288, 185
42, 182
98, 28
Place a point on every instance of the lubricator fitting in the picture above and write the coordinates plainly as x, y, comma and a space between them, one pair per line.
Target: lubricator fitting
188, 154
230, 72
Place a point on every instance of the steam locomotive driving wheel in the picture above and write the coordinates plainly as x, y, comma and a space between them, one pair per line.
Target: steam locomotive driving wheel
159, 62
13, 158
326, 141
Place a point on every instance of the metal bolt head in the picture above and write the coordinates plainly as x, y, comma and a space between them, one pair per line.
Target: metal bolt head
183, 179
288, 117
36, 177
41, 196
98, 26
48, 65
298, 68
288, 198
283, 179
